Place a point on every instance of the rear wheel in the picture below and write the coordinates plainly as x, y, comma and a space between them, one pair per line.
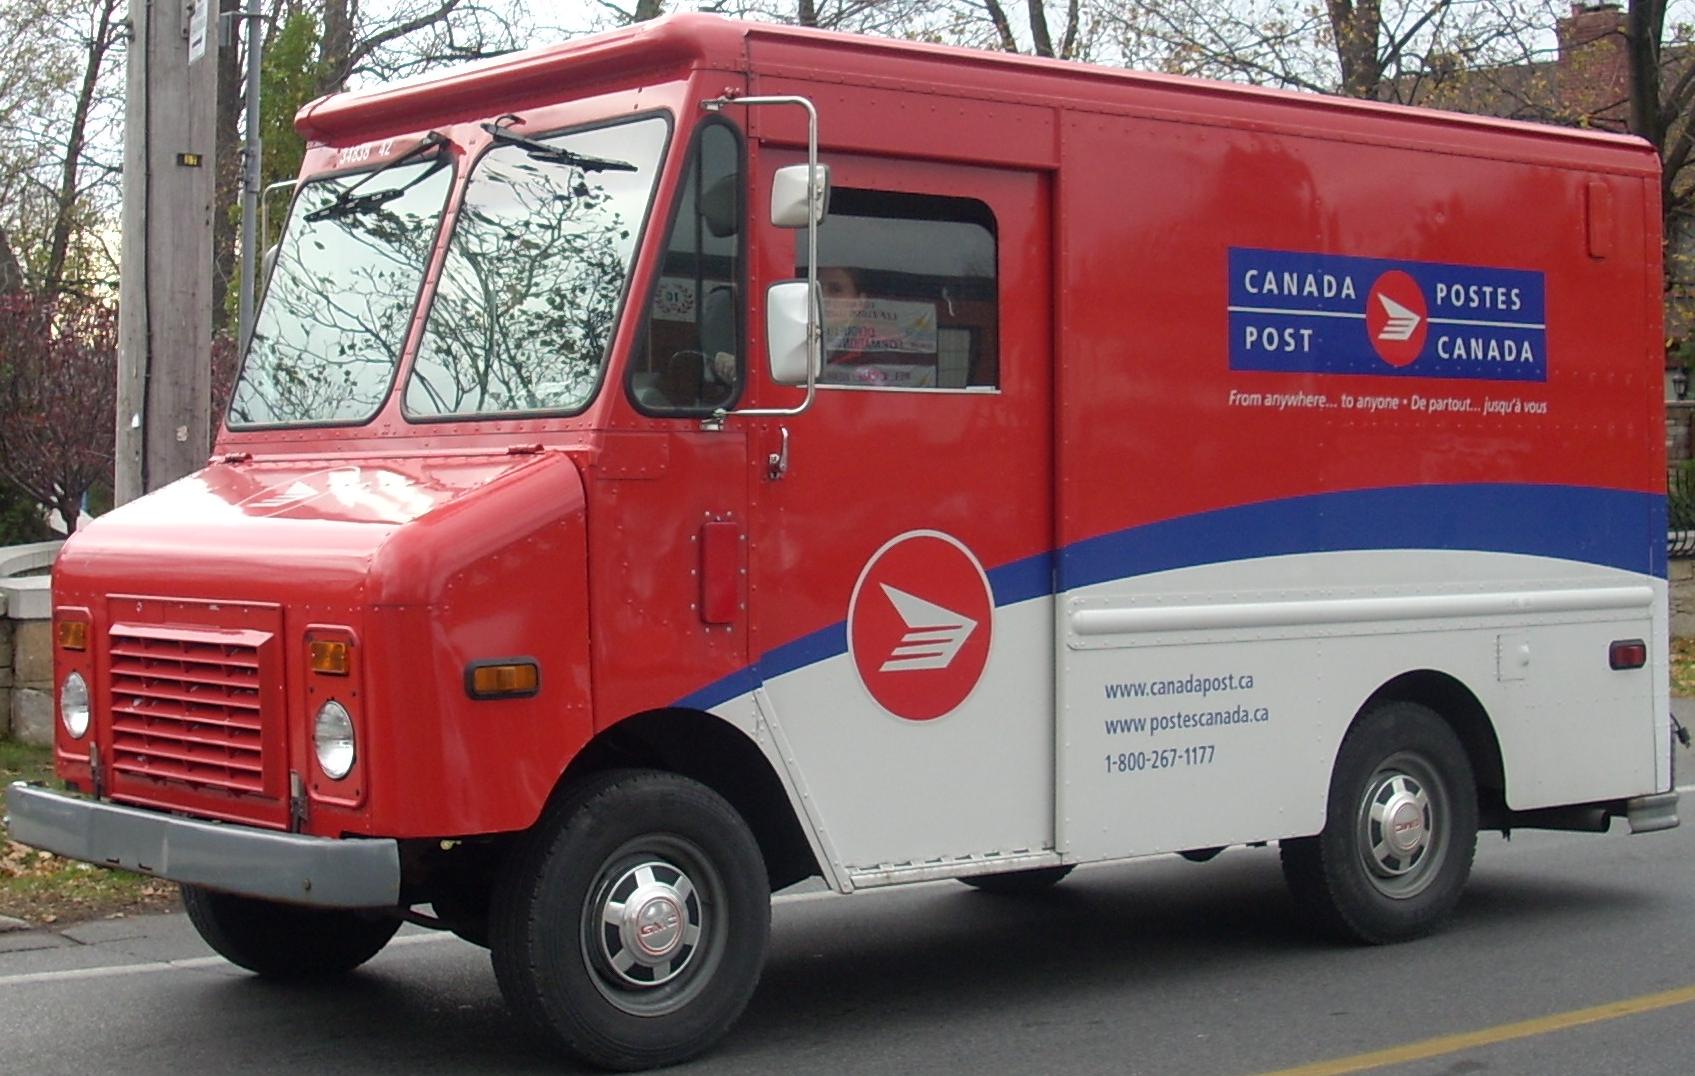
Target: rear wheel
632, 925
1019, 883
1399, 835
286, 941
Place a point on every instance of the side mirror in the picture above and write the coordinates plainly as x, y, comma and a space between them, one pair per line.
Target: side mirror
792, 310
790, 196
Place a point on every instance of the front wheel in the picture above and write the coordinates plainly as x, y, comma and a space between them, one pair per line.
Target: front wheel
1399, 833
286, 941
632, 925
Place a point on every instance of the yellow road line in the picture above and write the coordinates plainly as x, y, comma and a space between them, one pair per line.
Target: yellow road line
1489, 1036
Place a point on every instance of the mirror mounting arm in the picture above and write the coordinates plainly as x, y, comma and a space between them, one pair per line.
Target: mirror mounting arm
814, 330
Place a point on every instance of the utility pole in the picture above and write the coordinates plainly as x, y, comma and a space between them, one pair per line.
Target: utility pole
252, 155
165, 283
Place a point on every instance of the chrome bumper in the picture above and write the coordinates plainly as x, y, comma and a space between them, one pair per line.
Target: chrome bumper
1650, 813
321, 871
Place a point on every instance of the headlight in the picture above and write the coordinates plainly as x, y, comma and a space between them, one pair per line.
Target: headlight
332, 735
73, 705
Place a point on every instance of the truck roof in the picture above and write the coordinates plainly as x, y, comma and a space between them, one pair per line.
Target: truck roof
688, 40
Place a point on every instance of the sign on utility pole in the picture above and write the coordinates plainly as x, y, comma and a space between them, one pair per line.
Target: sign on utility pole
165, 283
199, 18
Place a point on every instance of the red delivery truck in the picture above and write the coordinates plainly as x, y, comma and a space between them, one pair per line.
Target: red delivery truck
692, 459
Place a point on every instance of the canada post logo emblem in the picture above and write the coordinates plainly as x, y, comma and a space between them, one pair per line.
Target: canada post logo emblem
919, 625
1328, 314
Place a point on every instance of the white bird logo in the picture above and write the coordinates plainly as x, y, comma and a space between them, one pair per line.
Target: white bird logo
934, 635
1402, 322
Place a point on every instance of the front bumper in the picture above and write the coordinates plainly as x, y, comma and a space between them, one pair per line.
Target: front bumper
320, 871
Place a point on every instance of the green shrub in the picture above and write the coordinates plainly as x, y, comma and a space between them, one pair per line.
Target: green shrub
21, 520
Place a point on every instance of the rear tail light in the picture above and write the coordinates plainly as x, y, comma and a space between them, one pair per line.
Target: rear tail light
1627, 654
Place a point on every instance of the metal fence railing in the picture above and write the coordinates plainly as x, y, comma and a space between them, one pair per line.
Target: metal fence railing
1680, 509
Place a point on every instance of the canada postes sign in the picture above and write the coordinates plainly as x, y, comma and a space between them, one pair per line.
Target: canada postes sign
1296, 312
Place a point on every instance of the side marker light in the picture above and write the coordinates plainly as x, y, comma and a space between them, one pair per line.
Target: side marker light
502, 679
73, 634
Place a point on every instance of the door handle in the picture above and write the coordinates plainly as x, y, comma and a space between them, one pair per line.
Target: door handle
777, 463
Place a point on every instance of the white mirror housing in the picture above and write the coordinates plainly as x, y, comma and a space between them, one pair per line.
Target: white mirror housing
789, 196
792, 321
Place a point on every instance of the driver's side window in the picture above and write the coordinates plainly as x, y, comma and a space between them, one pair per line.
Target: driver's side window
688, 355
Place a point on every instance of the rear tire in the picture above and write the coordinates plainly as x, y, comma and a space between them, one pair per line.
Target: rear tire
286, 941
1019, 883
1399, 833
631, 925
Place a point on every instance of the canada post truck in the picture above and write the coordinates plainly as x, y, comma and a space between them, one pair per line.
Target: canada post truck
699, 457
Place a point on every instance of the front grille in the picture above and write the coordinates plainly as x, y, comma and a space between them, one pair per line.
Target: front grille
196, 719
188, 709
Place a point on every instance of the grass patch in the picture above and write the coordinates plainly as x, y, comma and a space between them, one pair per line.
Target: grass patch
21, 762
1683, 668
49, 890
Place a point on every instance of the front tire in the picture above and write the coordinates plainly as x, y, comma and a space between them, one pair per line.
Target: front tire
632, 925
1399, 834
286, 941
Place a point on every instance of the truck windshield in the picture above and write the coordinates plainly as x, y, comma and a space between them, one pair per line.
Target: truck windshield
536, 271
341, 293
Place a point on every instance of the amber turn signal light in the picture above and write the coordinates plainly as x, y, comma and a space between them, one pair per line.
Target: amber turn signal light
328, 656
502, 679
73, 634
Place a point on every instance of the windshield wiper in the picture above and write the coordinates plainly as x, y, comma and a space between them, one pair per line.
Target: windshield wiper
556, 154
347, 204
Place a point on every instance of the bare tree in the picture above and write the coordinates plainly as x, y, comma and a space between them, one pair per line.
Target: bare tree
1661, 97
100, 42
1661, 93
1378, 49
11, 273
405, 37
1005, 37
57, 114
371, 43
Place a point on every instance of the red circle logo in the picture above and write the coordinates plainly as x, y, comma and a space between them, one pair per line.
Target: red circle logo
919, 625
1396, 318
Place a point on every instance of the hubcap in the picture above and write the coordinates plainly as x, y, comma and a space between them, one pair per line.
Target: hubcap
650, 924
1401, 826
1399, 830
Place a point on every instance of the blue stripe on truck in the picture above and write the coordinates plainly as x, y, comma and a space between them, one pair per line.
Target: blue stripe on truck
1611, 528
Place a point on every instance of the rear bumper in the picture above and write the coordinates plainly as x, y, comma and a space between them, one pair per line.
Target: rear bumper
1650, 813
320, 871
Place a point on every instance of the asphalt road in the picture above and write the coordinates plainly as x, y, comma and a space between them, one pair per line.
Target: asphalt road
1161, 966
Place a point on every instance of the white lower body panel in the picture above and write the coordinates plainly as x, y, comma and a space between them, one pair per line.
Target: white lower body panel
1204, 706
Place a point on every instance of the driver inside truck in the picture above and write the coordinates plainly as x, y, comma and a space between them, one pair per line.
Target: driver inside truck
844, 342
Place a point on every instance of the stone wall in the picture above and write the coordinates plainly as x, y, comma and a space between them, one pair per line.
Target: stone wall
6, 676
1680, 417
30, 692
26, 643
